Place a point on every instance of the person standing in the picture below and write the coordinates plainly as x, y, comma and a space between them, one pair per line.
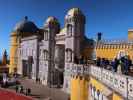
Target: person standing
21, 89
119, 70
4, 79
126, 66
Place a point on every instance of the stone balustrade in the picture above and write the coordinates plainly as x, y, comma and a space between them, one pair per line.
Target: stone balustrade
120, 83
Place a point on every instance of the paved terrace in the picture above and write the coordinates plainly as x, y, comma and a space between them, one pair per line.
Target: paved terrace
41, 92
120, 83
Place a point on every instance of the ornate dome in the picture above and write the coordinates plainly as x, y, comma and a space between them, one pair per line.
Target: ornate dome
25, 26
74, 12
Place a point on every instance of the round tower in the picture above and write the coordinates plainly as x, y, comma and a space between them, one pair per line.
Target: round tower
13, 51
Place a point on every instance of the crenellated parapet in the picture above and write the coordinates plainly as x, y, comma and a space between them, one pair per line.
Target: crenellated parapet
114, 44
111, 49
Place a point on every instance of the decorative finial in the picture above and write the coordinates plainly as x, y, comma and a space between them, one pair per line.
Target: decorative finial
26, 18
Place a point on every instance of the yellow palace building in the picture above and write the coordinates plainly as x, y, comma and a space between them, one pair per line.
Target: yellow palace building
82, 82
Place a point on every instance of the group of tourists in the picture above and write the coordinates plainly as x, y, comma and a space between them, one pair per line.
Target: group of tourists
20, 89
120, 65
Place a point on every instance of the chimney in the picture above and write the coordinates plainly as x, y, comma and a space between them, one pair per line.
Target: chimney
99, 36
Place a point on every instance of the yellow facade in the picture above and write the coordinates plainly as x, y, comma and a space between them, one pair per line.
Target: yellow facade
109, 51
79, 88
130, 34
117, 97
101, 87
112, 52
13, 52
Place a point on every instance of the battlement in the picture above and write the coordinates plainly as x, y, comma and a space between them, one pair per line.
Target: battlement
116, 41
130, 30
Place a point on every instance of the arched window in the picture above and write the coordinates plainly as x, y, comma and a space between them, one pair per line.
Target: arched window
46, 55
46, 36
69, 29
68, 55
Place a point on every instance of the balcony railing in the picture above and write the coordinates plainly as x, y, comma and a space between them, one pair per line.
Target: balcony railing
120, 83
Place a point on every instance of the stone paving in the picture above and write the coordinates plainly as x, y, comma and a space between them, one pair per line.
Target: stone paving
41, 92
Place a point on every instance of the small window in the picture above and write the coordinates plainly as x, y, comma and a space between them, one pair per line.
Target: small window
46, 36
46, 55
69, 55
69, 30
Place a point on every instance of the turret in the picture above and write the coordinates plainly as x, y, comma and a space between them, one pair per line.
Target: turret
13, 51
75, 25
99, 36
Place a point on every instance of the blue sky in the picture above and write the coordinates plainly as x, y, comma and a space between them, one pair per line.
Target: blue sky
111, 17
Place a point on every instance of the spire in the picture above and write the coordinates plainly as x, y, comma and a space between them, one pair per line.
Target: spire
4, 58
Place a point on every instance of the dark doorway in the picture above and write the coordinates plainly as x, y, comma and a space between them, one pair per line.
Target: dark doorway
61, 77
30, 62
27, 67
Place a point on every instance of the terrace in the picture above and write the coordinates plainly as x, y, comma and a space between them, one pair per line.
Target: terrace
119, 83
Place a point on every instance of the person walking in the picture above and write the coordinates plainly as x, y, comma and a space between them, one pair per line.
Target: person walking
21, 89
17, 88
29, 91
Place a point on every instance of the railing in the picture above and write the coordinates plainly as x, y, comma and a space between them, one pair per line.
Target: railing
120, 83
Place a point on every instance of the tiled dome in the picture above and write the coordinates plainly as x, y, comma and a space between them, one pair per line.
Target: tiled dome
25, 26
